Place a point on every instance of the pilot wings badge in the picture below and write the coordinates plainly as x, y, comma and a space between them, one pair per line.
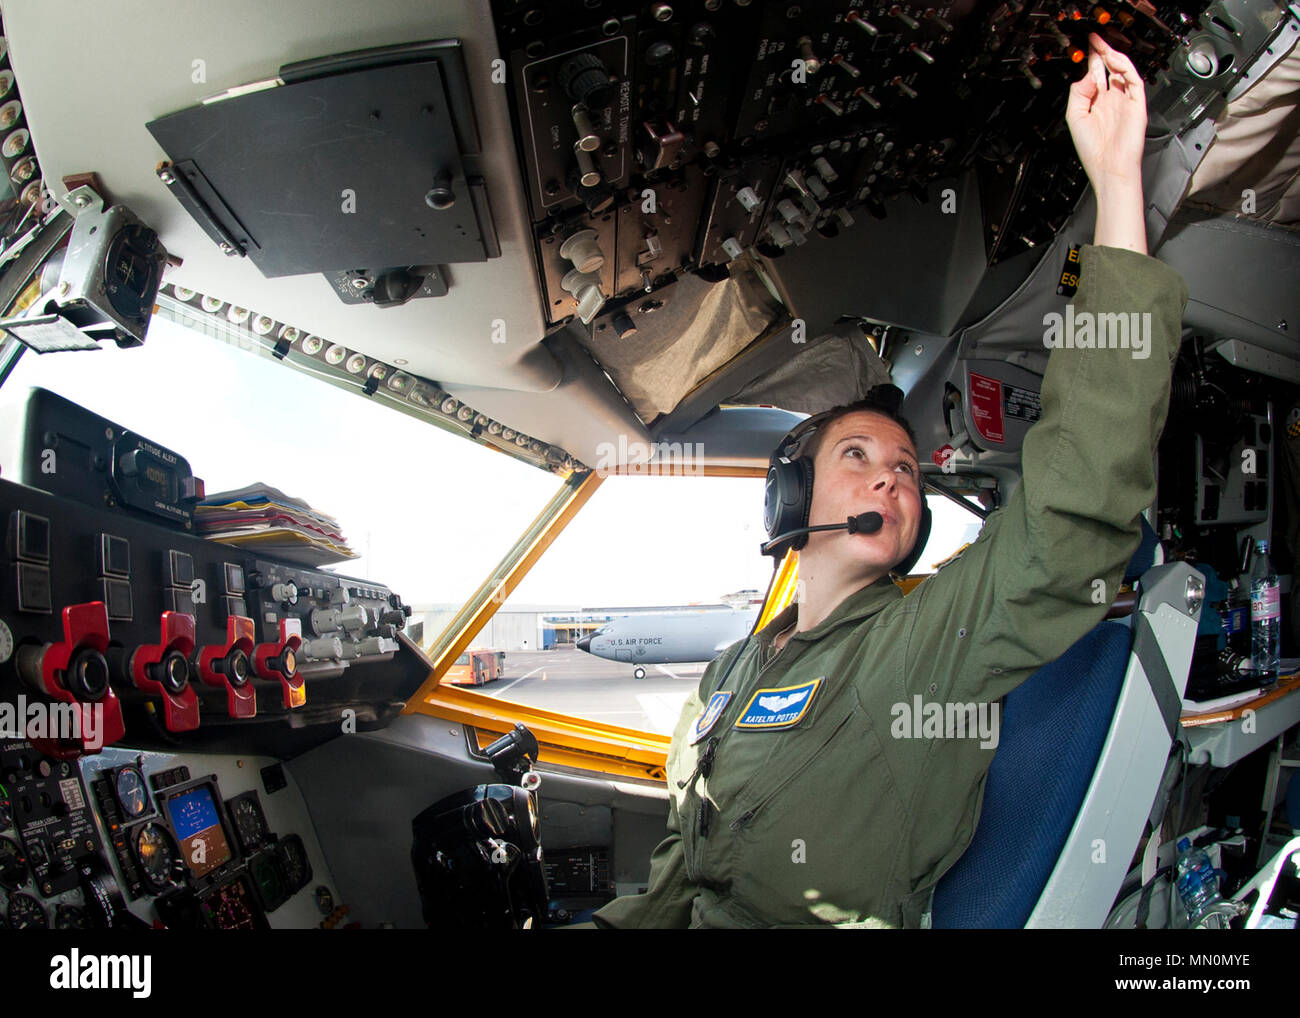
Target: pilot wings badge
772, 709
708, 717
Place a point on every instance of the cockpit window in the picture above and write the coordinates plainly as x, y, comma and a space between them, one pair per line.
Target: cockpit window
428, 514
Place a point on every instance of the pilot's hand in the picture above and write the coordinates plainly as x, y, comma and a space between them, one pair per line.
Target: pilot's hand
1107, 114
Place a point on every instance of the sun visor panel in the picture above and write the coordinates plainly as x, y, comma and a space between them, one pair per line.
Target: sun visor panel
360, 168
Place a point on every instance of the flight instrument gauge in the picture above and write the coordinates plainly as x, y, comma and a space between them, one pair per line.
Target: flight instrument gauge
293, 860
6, 809
25, 913
249, 821
132, 793
13, 865
158, 858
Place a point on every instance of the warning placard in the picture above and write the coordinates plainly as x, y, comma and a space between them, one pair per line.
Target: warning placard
1022, 404
986, 407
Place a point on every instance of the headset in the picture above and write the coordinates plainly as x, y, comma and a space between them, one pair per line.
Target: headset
787, 497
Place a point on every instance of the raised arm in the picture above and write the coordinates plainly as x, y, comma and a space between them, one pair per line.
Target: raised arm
1047, 565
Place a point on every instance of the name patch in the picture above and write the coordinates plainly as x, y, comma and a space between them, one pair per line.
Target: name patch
709, 716
784, 707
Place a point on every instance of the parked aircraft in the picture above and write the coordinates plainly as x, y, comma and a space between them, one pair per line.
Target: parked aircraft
667, 637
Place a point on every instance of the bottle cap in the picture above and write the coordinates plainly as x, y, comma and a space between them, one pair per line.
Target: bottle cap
1184, 844
1261, 545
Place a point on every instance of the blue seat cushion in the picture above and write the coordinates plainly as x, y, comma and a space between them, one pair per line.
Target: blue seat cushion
1053, 727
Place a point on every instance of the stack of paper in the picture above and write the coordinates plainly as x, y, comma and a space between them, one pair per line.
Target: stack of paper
273, 524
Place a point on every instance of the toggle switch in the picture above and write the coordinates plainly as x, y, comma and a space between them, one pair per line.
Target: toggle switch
810, 61
897, 12
831, 104
588, 139
588, 174
854, 18
840, 63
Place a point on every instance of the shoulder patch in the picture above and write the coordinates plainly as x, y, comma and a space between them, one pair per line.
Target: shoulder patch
781, 707
709, 716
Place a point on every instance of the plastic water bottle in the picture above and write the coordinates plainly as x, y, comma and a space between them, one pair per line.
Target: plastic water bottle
1265, 617
1197, 881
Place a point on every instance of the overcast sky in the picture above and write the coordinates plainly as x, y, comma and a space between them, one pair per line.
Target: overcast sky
430, 514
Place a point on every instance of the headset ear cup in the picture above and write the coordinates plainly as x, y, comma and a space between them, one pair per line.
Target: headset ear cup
787, 500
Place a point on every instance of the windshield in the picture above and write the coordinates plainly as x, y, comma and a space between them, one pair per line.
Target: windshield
427, 513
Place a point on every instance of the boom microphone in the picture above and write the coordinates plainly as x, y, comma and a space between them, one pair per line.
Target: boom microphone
863, 523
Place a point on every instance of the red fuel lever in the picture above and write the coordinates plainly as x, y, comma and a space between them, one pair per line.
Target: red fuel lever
163, 670
76, 672
279, 662
229, 667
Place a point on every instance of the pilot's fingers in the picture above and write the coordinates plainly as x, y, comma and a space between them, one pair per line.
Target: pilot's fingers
1099, 45
1097, 70
1117, 64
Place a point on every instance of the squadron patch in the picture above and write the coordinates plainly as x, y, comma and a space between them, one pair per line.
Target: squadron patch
771, 709
709, 716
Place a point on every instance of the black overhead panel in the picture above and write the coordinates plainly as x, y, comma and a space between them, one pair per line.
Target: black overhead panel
361, 161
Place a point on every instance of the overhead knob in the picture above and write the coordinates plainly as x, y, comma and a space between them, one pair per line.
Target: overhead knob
585, 287
583, 250
585, 80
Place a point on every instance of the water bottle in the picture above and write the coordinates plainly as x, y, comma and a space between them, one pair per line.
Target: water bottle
1265, 617
1197, 881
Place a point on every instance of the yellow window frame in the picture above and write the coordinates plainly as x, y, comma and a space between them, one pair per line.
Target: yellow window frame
564, 739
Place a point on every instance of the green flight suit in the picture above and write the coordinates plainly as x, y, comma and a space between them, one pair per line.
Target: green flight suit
848, 818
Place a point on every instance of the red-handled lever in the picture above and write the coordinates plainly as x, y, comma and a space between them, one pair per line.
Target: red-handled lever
279, 662
76, 672
163, 670
229, 667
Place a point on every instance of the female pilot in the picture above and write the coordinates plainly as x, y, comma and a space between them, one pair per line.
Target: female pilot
796, 797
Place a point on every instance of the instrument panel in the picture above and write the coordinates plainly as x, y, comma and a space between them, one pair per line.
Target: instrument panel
116, 618
663, 138
130, 839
